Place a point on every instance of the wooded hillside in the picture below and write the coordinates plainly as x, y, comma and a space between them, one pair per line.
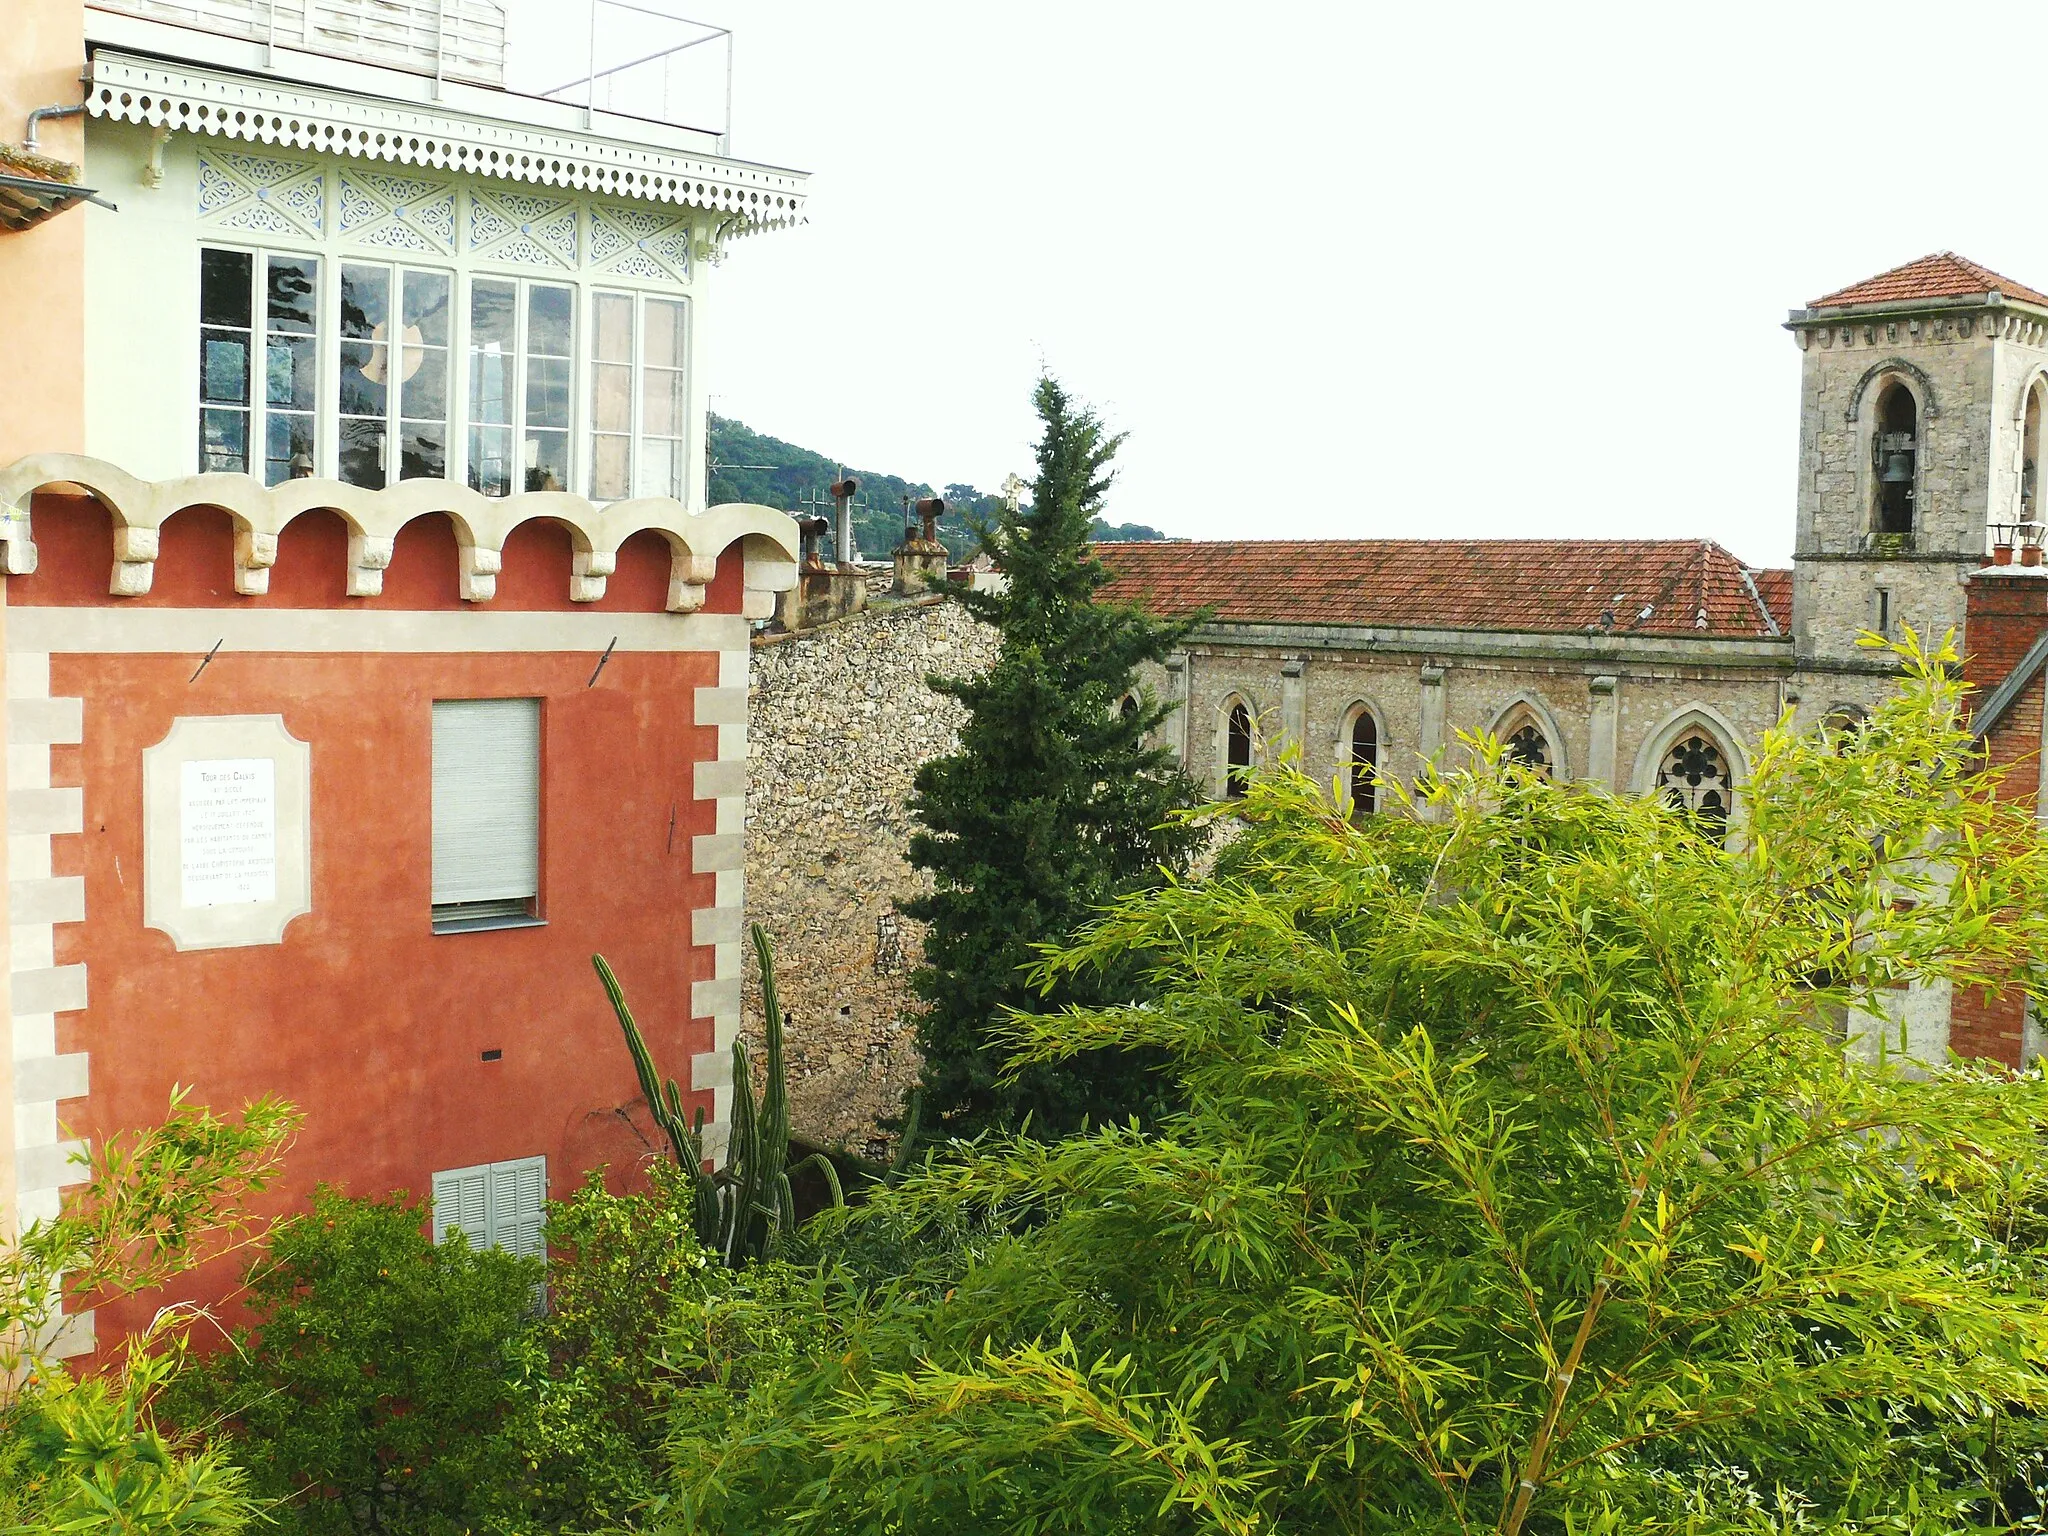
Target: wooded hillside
878, 525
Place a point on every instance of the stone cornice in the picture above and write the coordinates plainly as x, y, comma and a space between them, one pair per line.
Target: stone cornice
1990, 315
195, 99
1605, 648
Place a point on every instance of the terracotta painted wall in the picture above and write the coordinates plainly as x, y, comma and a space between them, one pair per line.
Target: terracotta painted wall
371, 1023
42, 271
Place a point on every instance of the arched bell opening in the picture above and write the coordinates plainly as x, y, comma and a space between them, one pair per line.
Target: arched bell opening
1895, 458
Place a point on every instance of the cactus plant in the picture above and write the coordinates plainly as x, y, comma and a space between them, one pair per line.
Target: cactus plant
742, 1209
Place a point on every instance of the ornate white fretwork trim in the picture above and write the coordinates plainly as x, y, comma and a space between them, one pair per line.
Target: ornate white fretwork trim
191, 99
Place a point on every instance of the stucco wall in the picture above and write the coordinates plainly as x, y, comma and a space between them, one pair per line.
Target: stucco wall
364, 1017
42, 271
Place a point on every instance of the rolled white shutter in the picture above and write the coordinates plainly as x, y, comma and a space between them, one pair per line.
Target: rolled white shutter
462, 1198
486, 800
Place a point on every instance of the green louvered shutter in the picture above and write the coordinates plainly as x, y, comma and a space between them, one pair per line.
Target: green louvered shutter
462, 1198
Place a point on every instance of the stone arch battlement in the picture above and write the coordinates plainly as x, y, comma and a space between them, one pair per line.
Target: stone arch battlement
767, 537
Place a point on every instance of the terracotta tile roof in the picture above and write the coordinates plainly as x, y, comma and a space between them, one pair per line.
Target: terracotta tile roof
1774, 586
1552, 585
1944, 275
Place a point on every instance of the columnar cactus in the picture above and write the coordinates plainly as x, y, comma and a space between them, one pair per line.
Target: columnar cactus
744, 1207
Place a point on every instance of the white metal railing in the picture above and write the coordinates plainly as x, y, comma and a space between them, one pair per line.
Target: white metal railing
643, 58
449, 39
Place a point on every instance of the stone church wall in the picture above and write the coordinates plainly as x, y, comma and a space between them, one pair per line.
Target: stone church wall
840, 720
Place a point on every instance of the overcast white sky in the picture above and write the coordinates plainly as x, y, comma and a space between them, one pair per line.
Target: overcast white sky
1355, 269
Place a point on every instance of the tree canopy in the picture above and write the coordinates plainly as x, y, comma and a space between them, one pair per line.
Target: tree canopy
1054, 804
1521, 1184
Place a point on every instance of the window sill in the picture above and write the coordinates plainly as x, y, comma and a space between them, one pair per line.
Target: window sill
485, 924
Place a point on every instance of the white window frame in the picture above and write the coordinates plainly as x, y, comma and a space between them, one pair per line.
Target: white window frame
395, 347
637, 435
464, 343
498, 1191
258, 410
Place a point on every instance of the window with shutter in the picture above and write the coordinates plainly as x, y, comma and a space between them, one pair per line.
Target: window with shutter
519, 1205
462, 1200
495, 1205
486, 813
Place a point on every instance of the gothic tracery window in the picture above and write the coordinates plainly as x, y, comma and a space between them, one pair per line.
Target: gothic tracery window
1528, 746
1694, 778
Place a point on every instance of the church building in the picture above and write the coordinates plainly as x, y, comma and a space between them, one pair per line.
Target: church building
1654, 665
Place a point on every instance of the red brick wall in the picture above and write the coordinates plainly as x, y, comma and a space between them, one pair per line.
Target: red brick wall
2006, 615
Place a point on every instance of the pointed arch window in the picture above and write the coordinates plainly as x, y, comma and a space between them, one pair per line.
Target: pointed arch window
1694, 778
1526, 744
1127, 707
1363, 762
2030, 453
1237, 756
1895, 458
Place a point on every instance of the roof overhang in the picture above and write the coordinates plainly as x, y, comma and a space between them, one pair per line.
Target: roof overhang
1770, 652
26, 201
555, 151
1901, 309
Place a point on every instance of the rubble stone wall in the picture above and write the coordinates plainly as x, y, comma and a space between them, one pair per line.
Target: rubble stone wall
839, 721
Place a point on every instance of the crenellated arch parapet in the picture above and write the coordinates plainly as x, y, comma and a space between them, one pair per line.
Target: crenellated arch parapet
767, 537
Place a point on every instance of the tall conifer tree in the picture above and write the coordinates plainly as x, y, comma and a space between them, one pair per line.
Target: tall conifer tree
1053, 806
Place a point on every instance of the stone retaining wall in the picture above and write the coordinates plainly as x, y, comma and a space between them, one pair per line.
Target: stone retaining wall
839, 721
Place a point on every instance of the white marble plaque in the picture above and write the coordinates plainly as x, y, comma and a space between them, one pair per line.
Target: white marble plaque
227, 831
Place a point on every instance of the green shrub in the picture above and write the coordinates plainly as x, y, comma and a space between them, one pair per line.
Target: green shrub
591, 1421
378, 1387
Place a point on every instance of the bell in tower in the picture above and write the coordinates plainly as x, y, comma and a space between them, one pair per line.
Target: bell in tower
1895, 452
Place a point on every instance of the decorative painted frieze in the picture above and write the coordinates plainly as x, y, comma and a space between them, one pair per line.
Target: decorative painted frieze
520, 227
640, 242
262, 194
396, 213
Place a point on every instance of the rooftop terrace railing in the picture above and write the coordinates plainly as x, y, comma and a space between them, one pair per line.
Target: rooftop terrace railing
644, 59
448, 39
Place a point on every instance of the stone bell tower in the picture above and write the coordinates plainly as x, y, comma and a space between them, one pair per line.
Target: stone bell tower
1920, 410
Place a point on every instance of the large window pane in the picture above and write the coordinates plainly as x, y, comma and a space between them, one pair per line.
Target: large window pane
661, 403
291, 371
423, 453
227, 287
362, 452
490, 460
547, 391
547, 320
288, 447
665, 338
224, 368
294, 283
225, 279
426, 306
224, 442
426, 391
362, 378
547, 461
365, 300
